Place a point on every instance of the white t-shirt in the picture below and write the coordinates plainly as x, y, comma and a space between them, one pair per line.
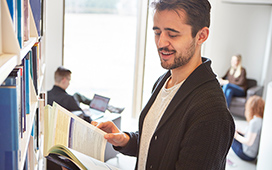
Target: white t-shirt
152, 120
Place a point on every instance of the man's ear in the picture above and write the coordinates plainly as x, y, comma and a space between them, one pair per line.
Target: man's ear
203, 35
62, 80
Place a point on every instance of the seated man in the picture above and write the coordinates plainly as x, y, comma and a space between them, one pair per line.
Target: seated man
59, 95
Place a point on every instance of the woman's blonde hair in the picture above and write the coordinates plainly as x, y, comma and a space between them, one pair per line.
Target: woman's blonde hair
254, 106
236, 72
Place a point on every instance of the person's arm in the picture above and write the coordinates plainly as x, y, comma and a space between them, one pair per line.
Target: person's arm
225, 77
249, 140
224, 80
72, 105
240, 131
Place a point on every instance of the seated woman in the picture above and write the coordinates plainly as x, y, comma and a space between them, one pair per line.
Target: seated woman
234, 82
246, 145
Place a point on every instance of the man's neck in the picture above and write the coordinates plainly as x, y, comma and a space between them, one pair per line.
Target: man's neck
60, 86
181, 73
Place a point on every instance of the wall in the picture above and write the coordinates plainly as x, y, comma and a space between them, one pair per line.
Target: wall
54, 39
238, 28
265, 151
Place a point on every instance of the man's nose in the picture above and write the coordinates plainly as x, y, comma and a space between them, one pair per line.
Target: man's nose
163, 40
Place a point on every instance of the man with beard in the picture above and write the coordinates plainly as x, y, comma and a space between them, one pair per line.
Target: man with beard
185, 124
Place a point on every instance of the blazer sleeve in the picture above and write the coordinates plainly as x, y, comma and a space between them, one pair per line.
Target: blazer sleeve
72, 104
131, 149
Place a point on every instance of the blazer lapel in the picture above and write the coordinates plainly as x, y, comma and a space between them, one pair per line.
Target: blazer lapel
199, 76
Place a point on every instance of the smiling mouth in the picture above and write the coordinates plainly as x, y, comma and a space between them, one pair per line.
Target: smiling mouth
166, 53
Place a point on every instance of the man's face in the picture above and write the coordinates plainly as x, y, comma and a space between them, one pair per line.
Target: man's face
67, 81
173, 39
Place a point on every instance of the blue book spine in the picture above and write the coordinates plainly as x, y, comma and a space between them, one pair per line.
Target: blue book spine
9, 130
27, 80
36, 10
20, 26
11, 6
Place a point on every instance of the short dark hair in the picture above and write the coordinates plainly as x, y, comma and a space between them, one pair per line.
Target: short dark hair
197, 11
60, 73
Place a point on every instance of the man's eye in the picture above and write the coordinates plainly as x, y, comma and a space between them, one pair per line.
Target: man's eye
157, 33
172, 36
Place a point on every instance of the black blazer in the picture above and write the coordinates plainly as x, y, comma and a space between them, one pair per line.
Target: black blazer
196, 129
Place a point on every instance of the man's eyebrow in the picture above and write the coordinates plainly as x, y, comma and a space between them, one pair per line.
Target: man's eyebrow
155, 28
173, 30
167, 29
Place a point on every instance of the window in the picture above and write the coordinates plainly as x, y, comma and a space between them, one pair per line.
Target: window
153, 67
99, 48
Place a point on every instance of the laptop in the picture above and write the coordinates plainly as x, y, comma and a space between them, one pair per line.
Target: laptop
98, 106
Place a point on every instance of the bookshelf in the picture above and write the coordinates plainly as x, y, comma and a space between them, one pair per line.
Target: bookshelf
11, 56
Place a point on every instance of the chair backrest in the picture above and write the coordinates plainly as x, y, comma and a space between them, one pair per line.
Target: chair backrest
251, 83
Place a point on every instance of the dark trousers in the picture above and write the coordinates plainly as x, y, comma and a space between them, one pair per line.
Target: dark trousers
238, 149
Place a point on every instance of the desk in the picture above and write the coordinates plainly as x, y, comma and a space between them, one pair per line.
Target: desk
116, 119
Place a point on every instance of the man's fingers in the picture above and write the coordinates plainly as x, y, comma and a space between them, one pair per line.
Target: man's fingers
117, 139
94, 123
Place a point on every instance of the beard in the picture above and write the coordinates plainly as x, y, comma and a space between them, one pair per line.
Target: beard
180, 59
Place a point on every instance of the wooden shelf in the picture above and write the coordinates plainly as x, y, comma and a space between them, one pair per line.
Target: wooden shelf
27, 47
7, 63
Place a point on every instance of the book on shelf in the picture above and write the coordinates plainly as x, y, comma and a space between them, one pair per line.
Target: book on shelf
31, 158
26, 74
35, 130
12, 10
43, 5
65, 133
9, 128
35, 64
15, 79
36, 7
42, 104
20, 22
26, 20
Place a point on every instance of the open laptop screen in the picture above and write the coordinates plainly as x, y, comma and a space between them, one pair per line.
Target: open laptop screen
99, 103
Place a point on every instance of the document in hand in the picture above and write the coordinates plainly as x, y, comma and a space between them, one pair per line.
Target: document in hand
62, 129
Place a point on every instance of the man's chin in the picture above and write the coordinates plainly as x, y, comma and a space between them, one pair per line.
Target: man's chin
166, 66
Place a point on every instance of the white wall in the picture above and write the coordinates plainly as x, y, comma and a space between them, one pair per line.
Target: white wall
238, 28
265, 151
245, 29
53, 38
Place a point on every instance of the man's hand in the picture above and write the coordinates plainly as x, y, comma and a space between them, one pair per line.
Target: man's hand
114, 135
